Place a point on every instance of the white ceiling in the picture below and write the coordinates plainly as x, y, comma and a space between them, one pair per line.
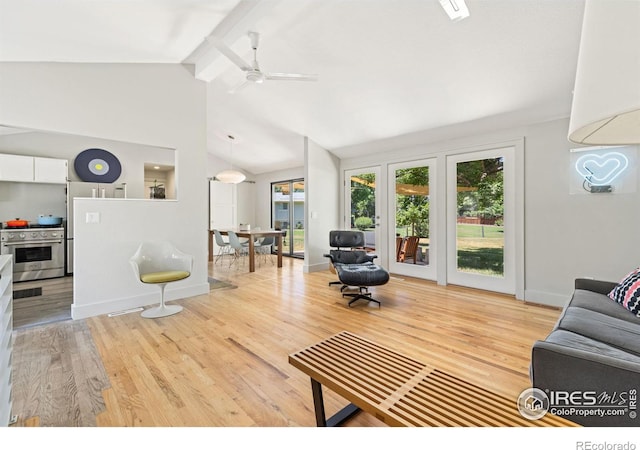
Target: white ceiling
386, 68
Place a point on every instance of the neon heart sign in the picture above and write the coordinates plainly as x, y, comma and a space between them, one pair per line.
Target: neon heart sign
600, 170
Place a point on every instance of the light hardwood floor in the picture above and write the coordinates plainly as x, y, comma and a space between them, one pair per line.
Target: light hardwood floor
223, 360
52, 305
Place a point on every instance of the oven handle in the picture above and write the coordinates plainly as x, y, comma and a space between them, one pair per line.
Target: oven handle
55, 241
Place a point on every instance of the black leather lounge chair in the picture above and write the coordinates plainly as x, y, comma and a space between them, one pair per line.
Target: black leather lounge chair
354, 267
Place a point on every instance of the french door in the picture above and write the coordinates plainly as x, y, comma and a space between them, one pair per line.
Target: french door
481, 220
362, 204
411, 204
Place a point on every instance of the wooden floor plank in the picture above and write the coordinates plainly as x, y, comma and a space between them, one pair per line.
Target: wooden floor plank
223, 360
58, 375
52, 305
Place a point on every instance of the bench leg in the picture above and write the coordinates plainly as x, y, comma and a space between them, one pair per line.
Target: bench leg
318, 403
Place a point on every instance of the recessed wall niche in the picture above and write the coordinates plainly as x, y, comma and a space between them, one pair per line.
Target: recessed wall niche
159, 181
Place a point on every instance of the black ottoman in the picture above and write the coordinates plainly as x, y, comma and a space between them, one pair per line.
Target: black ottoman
362, 276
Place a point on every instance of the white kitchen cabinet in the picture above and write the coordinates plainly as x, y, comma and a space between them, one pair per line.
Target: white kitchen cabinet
32, 169
16, 168
50, 170
6, 338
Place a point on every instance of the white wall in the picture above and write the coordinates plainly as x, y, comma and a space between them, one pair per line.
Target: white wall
150, 104
263, 191
322, 204
246, 204
28, 200
566, 236
569, 236
103, 278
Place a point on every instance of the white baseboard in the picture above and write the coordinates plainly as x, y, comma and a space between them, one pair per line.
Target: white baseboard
315, 267
79, 311
546, 298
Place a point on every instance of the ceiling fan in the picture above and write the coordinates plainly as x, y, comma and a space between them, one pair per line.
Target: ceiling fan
253, 74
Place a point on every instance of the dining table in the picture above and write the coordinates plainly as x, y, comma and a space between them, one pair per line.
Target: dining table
252, 235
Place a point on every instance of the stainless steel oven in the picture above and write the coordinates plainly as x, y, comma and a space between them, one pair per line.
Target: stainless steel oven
38, 253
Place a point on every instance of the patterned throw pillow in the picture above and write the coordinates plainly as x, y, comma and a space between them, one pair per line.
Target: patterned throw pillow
627, 292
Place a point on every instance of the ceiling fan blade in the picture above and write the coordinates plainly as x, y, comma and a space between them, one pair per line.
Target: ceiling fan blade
291, 76
230, 54
239, 86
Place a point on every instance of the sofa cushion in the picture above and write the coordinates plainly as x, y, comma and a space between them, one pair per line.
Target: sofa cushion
602, 304
577, 341
627, 292
606, 329
164, 277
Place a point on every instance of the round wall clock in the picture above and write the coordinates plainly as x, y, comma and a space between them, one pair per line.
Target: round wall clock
96, 165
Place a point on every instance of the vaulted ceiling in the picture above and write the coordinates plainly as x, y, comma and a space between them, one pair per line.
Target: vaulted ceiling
385, 68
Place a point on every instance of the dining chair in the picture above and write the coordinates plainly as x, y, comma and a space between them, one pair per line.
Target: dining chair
266, 248
223, 246
240, 249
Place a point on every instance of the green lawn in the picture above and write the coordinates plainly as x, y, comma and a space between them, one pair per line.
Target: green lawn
481, 249
480, 231
298, 241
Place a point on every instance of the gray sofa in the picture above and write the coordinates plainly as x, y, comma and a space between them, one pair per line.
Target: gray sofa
592, 353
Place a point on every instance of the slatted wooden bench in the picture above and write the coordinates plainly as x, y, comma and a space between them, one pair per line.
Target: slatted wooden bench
401, 391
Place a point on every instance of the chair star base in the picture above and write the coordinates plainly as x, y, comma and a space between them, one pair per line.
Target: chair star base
362, 295
161, 311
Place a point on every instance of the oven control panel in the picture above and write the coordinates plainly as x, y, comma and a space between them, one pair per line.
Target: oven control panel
31, 234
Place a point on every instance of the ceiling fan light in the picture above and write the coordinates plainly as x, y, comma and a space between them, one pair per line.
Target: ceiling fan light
230, 176
455, 9
255, 77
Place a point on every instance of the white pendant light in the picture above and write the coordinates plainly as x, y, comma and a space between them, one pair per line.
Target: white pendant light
606, 97
230, 176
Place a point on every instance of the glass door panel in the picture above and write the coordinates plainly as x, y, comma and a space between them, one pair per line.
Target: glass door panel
297, 208
481, 250
479, 222
361, 204
287, 213
411, 198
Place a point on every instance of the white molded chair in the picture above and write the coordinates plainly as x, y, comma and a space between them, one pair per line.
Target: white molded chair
240, 249
224, 246
265, 248
161, 263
